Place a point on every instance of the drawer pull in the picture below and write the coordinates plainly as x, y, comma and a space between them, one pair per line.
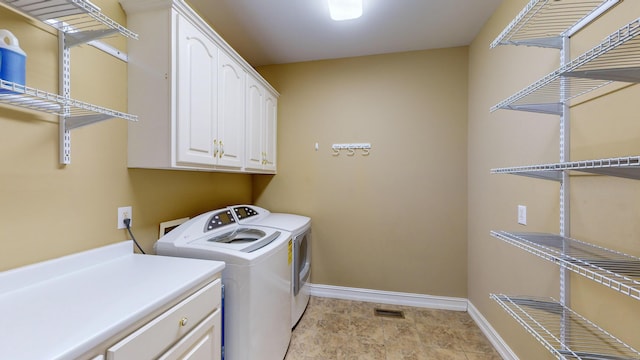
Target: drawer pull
184, 321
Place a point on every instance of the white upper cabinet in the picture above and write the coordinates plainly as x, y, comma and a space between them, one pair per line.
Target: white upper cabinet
261, 128
270, 132
197, 96
191, 91
231, 111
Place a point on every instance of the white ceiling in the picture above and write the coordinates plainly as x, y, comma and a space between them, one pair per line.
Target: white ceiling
268, 32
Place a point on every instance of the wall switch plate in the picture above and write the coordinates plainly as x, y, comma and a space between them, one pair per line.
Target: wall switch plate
522, 215
124, 213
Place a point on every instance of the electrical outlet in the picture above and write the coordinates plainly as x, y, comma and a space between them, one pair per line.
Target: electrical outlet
124, 213
522, 215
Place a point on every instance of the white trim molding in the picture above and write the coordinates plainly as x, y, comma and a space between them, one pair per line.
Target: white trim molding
494, 338
389, 297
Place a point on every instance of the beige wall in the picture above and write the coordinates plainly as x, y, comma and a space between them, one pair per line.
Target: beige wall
604, 210
48, 210
394, 220
400, 219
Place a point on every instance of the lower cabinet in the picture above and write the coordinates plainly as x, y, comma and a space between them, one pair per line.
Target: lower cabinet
189, 330
202, 343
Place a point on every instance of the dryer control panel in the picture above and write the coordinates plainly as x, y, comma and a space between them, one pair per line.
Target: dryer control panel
219, 219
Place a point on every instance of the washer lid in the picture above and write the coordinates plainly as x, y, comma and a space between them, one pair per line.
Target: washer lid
289, 222
244, 239
255, 215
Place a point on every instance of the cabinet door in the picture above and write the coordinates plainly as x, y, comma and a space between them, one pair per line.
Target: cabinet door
197, 96
269, 136
231, 110
255, 114
202, 343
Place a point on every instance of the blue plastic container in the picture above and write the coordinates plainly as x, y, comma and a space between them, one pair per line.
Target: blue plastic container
12, 60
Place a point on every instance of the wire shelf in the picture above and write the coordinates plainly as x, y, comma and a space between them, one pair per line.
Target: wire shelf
543, 22
562, 331
79, 19
616, 270
625, 167
77, 113
616, 58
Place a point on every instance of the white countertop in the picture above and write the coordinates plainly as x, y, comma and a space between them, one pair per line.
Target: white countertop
62, 308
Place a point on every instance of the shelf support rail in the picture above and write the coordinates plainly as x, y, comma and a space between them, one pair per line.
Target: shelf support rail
65, 91
565, 230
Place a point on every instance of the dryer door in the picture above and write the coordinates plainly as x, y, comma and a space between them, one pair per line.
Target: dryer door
302, 260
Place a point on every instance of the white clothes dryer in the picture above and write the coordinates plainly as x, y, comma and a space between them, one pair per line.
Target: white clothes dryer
300, 228
256, 279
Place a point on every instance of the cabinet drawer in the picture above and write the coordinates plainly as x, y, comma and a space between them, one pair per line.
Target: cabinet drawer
204, 342
155, 337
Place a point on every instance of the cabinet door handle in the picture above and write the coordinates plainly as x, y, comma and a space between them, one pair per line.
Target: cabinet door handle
221, 149
183, 322
215, 147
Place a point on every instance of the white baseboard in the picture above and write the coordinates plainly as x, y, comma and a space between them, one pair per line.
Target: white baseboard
389, 297
501, 347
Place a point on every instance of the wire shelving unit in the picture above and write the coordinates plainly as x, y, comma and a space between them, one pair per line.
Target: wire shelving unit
551, 24
544, 22
78, 22
613, 269
615, 59
79, 19
625, 167
562, 331
78, 113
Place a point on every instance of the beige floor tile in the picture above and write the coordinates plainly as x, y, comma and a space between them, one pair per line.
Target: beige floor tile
400, 331
473, 340
483, 356
367, 329
436, 353
334, 329
440, 336
362, 309
357, 350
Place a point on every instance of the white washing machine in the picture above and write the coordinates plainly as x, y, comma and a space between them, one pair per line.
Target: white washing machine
300, 228
256, 278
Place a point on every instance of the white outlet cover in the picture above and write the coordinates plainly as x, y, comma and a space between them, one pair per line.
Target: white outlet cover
522, 215
124, 212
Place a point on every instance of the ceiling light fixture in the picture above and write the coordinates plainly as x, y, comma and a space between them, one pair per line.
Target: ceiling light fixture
345, 9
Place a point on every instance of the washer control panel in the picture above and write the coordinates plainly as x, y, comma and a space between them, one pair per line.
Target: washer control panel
244, 212
219, 219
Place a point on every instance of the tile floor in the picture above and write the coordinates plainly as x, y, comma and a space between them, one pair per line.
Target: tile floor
333, 329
